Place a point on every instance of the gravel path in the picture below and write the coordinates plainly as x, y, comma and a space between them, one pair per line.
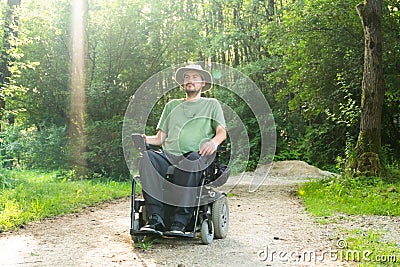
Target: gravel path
268, 227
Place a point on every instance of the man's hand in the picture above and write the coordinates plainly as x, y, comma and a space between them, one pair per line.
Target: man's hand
208, 148
211, 146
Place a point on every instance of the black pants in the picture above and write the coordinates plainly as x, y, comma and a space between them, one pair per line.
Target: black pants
177, 196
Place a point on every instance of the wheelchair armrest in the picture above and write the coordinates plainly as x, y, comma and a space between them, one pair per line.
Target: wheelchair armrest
141, 145
222, 175
216, 174
138, 142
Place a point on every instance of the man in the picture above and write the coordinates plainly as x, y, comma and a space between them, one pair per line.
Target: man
190, 131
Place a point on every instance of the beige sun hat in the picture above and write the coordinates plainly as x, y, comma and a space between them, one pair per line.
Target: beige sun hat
193, 67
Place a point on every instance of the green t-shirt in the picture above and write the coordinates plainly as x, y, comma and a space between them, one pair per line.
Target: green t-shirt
189, 125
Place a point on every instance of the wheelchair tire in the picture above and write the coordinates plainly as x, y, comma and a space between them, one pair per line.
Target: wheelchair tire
220, 217
207, 234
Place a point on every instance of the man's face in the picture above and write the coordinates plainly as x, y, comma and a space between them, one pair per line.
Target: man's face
193, 82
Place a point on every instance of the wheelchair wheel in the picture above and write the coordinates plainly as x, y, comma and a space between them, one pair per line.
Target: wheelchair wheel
220, 217
207, 233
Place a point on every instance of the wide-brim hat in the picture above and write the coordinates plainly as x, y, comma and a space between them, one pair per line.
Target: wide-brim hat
193, 67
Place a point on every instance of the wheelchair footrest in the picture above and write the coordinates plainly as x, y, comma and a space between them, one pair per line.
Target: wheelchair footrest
169, 234
158, 233
145, 233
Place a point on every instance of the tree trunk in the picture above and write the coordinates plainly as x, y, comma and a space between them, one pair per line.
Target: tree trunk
271, 9
367, 150
5, 59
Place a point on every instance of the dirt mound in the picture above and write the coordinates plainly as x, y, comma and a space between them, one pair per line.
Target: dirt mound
293, 168
278, 173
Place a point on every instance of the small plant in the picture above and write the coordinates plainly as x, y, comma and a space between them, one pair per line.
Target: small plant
145, 244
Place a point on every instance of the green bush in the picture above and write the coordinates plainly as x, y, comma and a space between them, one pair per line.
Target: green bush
7, 179
32, 148
317, 144
104, 149
47, 148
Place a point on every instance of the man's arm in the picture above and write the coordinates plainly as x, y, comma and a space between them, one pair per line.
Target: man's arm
211, 146
156, 140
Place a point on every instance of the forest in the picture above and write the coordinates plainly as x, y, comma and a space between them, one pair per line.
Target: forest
307, 58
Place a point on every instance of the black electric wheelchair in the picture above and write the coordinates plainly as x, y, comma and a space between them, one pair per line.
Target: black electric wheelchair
210, 219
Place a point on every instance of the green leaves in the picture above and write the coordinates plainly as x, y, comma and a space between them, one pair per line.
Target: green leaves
306, 57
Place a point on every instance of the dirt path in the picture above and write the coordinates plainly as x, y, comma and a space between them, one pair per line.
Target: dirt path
267, 228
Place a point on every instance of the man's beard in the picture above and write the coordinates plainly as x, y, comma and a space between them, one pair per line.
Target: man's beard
192, 92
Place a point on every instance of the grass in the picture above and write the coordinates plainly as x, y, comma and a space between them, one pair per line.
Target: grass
368, 249
354, 196
357, 196
33, 195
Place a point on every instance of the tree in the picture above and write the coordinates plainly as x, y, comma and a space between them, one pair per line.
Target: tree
314, 74
304, 55
368, 147
5, 58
